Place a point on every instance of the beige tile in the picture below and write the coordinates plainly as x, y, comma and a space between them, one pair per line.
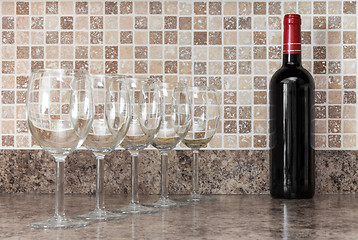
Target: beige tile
126, 67
66, 7
230, 8
126, 22
111, 22
259, 23
81, 37
23, 22
52, 23
349, 141
155, 22
96, 67
334, 52
274, 66
96, 7
335, 97
200, 53
52, 52
260, 67
289, 7
141, 37
185, 8
304, 7
7, 82
23, 67
171, 7
349, 67
349, 112
66, 52
37, 38
335, 7
140, 7
320, 126
230, 38
216, 141
185, 38
37, 8
155, 67
349, 126
245, 83
8, 127
349, 22
245, 98
81, 22
245, 141
215, 53
230, 141
320, 141
8, 52
126, 52
22, 141
170, 52
111, 37
215, 68
215, 23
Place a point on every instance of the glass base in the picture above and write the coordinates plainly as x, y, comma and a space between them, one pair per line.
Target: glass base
196, 198
101, 215
60, 222
165, 203
134, 208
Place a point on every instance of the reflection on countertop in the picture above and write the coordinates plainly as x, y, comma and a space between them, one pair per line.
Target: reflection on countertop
230, 217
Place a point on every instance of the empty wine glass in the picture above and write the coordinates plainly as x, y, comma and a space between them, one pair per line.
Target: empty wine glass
175, 125
113, 109
59, 114
146, 118
205, 119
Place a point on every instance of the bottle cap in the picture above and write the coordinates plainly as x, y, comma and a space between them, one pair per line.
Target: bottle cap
292, 34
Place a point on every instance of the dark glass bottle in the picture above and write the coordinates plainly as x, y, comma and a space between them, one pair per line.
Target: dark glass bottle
292, 160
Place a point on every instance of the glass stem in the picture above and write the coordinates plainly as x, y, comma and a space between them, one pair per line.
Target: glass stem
100, 182
195, 169
164, 175
60, 190
134, 177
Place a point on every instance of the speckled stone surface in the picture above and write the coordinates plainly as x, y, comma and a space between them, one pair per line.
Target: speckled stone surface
221, 172
230, 217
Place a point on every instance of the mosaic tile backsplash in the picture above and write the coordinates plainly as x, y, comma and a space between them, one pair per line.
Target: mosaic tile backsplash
234, 46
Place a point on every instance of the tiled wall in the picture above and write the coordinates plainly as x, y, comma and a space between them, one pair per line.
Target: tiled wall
232, 45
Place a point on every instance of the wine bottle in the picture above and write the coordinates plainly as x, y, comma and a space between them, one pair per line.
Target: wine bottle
292, 160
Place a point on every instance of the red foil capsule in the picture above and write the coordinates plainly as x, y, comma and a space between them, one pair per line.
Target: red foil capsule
292, 34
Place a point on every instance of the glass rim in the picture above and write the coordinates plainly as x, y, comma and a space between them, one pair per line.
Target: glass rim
59, 70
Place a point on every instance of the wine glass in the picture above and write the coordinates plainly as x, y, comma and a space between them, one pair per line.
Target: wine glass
175, 125
59, 114
110, 109
205, 120
146, 118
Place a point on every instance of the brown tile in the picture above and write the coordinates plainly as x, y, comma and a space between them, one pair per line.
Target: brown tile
244, 126
200, 38
349, 7
275, 52
155, 7
185, 23
334, 111
8, 67
81, 8
8, 97
259, 38
230, 68
185, 53
334, 126
319, 52
260, 82
155, 37
140, 66
244, 23
260, 141
66, 65
320, 112
334, 141
245, 112
215, 8
171, 67
349, 82
334, 67
319, 23
259, 52
111, 52
141, 52
350, 97
200, 81
334, 22
260, 8
37, 65
260, 97
66, 37
52, 7
170, 22
111, 67
185, 67
22, 8
37, 52
245, 8
126, 7
230, 97
349, 52
52, 37
200, 22
7, 141
319, 7
274, 8
244, 67
200, 68
274, 23
319, 67
96, 22
230, 112
8, 22
22, 82
305, 37
230, 53
8, 37
141, 23
215, 38
170, 37
230, 23
320, 97
126, 37
66, 22
20, 97
230, 126
37, 23
349, 37
215, 82
334, 82
111, 7
81, 52
200, 8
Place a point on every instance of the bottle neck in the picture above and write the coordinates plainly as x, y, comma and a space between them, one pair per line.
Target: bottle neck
292, 59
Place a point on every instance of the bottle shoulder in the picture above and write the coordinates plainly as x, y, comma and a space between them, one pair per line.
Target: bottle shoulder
294, 73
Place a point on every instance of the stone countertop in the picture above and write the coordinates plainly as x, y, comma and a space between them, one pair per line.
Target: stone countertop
230, 217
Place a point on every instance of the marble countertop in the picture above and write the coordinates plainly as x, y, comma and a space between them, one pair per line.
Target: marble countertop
229, 217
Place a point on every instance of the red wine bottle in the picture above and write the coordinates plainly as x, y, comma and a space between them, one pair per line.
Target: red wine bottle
292, 160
